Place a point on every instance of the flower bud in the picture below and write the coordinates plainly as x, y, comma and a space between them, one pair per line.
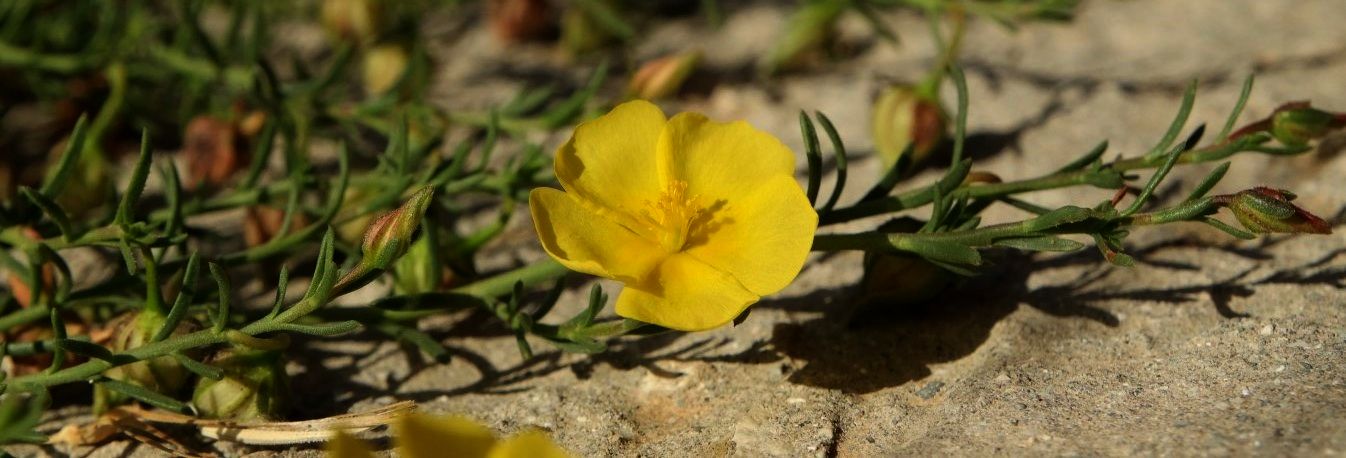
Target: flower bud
252, 124
896, 279
356, 21
417, 271
89, 184
901, 279
389, 236
262, 223
255, 387
580, 34
662, 77
351, 230
903, 116
1298, 125
211, 151
163, 374
806, 32
1266, 210
383, 67
515, 21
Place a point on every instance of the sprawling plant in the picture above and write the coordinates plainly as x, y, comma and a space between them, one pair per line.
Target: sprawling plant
338, 185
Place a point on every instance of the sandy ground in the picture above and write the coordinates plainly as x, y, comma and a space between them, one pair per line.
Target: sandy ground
1208, 346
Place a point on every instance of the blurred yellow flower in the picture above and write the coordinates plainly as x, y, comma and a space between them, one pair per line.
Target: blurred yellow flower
698, 219
422, 436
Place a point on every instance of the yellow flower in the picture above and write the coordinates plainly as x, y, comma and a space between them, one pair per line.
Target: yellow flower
422, 436
698, 219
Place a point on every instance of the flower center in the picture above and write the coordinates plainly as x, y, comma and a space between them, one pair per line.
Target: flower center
672, 218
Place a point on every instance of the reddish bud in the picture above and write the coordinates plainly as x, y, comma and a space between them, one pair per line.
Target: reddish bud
1267, 210
211, 151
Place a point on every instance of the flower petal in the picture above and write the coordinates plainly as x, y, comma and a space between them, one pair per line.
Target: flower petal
422, 436
344, 445
721, 160
685, 294
586, 238
760, 238
528, 444
611, 160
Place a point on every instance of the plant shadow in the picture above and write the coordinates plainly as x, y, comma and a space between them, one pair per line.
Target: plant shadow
868, 348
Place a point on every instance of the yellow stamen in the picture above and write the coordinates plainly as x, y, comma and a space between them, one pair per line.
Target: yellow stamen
672, 218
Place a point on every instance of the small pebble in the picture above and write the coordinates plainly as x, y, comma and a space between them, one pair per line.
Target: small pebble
1267, 330
930, 390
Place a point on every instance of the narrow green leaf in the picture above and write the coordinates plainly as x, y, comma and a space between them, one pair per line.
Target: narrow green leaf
221, 315
937, 250
960, 118
54, 183
261, 154
840, 149
53, 210
814, 156
180, 304
172, 197
1238, 107
416, 338
1209, 182
142, 394
1044, 243
281, 285
1188, 99
1086, 159
320, 330
1159, 175
607, 18
1231, 230
58, 333
197, 367
139, 174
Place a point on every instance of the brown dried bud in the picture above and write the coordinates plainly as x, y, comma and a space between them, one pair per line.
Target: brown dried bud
212, 154
515, 21
662, 77
262, 223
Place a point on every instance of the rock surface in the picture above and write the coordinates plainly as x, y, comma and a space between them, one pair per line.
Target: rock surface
1208, 346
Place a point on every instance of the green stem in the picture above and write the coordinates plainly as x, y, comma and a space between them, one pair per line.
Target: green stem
924, 195
500, 285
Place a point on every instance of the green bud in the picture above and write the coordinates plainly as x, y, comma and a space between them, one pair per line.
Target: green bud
581, 33
389, 236
89, 182
163, 374
905, 117
901, 279
255, 387
808, 29
1266, 210
417, 271
1298, 125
